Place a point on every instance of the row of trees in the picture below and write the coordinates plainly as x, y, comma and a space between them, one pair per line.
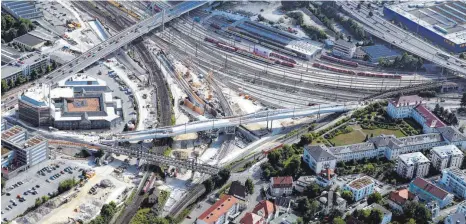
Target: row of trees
307, 208
312, 31
216, 181
405, 62
67, 185
445, 115
12, 28
35, 74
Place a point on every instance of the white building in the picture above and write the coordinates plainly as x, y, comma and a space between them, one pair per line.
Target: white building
446, 157
356, 151
403, 106
361, 187
318, 157
219, 212
281, 186
412, 165
454, 181
344, 48
459, 217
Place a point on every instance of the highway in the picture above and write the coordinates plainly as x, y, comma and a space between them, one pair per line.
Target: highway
212, 124
385, 30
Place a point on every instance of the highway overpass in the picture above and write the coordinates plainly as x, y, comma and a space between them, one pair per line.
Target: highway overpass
212, 124
122, 38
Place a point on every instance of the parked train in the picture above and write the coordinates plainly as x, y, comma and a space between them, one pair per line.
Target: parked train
340, 61
350, 72
216, 26
226, 47
282, 57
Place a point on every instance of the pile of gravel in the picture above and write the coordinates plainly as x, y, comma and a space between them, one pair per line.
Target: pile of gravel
88, 210
106, 183
34, 217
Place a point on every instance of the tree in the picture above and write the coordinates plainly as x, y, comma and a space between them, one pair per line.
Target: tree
369, 168
371, 14
38, 202
338, 220
375, 197
376, 216
23, 29
359, 6
411, 221
274, 157
349, 38
249, 186
306, 139
366, 57
292, 167
418, 212
108, 209
347, 195
367, 138
462, 56
34, 74
313, 190
463, 100
12, 83
5, 88
20, 80
437, 109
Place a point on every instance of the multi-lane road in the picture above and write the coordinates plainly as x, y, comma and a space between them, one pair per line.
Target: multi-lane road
385, 30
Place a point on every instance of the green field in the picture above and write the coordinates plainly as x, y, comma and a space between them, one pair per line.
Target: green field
357, 137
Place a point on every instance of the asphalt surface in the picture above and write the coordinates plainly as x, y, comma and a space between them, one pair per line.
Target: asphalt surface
30, 179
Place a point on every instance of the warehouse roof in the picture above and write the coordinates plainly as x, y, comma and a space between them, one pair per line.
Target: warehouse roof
29, 40
380, 51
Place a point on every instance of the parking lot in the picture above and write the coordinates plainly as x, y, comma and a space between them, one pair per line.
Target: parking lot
56, 15
31, 185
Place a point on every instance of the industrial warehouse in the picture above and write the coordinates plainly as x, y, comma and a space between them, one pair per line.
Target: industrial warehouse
79, 102
440, 22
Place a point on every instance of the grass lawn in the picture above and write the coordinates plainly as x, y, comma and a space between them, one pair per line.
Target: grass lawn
350, 138
379, 131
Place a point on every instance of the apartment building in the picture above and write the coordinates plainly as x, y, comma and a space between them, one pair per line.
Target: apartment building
280, 186
220, 212
454, 181
361, 187
318, 158
412, 165
447, 156
428, 192
402, 106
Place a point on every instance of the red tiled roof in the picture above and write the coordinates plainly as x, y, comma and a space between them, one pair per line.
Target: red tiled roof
251, 218
404, 100
267, 207
327, 174
401, 196
218, 209
431, 120
432, 189
282, 182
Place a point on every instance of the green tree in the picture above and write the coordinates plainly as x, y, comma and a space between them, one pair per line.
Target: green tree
371, 14
366, 57
376, 216
437, 109
375, 197
274, 157
418, 212
20, 80
5, 86
292, 167
38, 202
338, 220
411, 221
23, 29
249, 186
306, 139
462, 55
34, 74
12, 83
66, 185
369, 168
347, 195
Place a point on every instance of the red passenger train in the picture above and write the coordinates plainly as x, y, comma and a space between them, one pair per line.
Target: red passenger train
340, 61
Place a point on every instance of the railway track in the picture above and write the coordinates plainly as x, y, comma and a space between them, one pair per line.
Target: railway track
188, 199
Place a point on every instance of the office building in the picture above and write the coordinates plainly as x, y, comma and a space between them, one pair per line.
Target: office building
220, 212
428, 192
412, 165
447, 156
343, 48
361, 187
318, 158
454, 181
24, 66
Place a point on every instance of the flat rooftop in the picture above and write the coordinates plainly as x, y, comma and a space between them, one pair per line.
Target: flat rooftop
446, 150
83, 104
5, 151
13, 131
361, 182
15, 64
81, 80
446, 18
413, 158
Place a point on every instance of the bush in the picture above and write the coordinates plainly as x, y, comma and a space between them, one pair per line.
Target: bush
66, 185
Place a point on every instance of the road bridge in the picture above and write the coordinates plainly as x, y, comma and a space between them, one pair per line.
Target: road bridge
212, 124
124, 37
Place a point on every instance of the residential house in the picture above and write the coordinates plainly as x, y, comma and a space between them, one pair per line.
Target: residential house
251, 218
285, 219
447, 156
361, 187
397, 199
238, 190
454, 180
387, 215
267, 210
302, 182
280, 186
326, 178
220, 212
427, 192
283, 204
318, 158
412, 165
